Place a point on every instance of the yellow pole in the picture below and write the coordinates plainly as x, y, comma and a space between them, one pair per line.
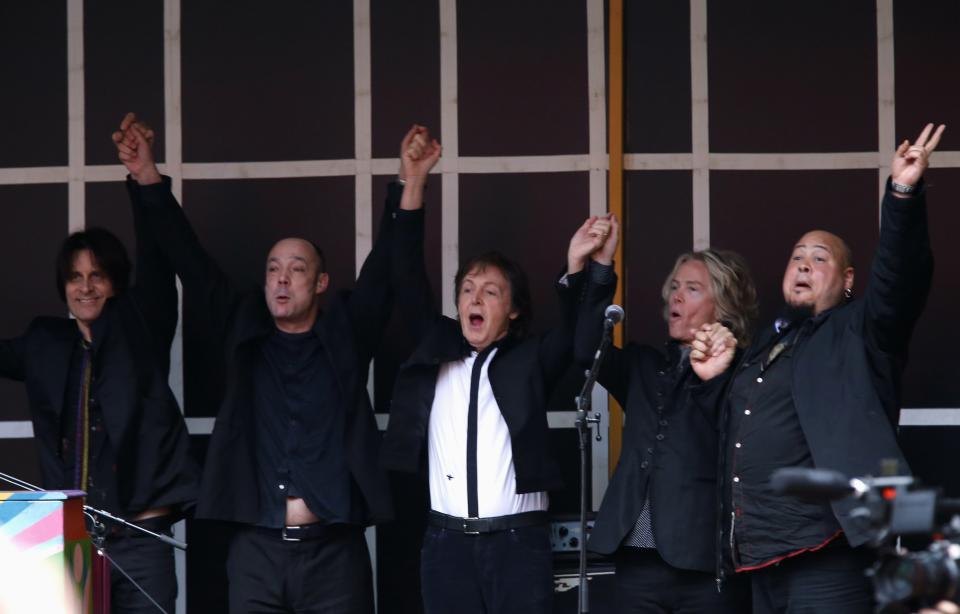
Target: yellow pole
615, 200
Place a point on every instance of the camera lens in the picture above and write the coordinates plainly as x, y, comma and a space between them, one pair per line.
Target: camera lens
923, 577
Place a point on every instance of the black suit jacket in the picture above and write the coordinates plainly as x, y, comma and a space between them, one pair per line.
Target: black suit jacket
522, 372
848, 361
131, 349
350, 331
670, 445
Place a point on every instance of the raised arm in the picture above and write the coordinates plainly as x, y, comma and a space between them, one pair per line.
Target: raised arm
419, 153
134, 142
373, 296
600, 286
161, 217
556, 348
155, 290
902, 268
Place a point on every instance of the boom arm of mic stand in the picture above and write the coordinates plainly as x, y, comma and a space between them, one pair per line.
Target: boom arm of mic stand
167, 540
583, 400
19, 483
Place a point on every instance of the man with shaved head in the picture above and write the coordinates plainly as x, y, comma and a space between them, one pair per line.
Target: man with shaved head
820, 388
292, 462
820, 272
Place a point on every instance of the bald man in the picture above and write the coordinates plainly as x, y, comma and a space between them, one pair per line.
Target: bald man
292, 460
820, 388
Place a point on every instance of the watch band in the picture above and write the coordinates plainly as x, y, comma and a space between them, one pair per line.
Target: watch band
902, 189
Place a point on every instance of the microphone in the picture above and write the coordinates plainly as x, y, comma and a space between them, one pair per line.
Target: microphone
814, 484
612, 316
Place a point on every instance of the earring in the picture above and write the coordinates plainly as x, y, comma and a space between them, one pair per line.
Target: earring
847, 293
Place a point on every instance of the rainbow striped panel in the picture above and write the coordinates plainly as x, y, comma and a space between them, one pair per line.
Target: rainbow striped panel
48, 527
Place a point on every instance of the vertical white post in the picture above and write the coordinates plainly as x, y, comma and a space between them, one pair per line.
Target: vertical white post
700, 124
886, 108
173, 139
76, 211
449, 163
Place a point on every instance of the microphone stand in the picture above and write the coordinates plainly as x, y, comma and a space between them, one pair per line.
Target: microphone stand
99, 535
583, 423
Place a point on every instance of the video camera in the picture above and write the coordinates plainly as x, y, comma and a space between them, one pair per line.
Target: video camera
893, 507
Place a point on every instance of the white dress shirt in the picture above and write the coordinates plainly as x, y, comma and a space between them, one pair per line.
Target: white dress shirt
447, 448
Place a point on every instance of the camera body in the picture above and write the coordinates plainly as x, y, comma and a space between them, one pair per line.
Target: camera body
906, 580
893, 508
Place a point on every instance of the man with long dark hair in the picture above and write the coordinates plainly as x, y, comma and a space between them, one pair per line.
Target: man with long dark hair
104, 417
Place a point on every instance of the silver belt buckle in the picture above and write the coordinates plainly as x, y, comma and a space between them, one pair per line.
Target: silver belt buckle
283, 534
465, 531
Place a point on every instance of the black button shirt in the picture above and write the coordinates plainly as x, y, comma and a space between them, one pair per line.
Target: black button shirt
300, 427
101, 486
764, 434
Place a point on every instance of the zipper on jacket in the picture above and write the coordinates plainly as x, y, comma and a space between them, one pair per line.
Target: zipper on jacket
733, 516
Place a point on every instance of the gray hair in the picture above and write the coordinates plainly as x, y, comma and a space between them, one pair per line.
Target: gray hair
734, 293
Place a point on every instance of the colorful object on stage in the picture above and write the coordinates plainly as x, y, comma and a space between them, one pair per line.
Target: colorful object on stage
45, 553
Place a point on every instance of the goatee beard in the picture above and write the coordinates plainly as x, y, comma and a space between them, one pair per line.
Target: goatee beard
796, 313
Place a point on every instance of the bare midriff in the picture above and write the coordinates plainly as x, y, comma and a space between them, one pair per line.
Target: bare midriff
298, 513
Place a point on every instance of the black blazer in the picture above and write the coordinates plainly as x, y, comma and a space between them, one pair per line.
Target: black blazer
848, 361
131, 349
522, 372
670, 445
350, 331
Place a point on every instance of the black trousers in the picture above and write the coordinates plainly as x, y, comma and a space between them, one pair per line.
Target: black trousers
329, 575
828, 581
646, 584
503, 572
150, 563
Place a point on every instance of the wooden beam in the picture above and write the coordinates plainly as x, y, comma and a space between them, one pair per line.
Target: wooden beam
615, 200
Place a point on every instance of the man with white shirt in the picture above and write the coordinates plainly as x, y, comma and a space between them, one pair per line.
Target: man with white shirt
475, 392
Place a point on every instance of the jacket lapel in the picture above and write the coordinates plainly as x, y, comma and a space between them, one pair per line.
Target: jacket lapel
57, 365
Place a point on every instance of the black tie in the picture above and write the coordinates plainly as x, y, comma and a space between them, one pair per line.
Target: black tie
473, 506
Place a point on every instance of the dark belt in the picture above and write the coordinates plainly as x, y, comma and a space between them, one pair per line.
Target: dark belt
310, 532
476, 526
157, 524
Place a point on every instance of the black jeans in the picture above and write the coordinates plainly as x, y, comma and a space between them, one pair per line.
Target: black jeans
330, 575
492, 573
150, 563
828, 581
646, 584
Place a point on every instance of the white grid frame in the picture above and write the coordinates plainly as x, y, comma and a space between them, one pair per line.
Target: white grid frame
364, 167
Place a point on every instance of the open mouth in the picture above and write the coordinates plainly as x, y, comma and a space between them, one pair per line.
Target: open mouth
476, 320
801, 286
674, 315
